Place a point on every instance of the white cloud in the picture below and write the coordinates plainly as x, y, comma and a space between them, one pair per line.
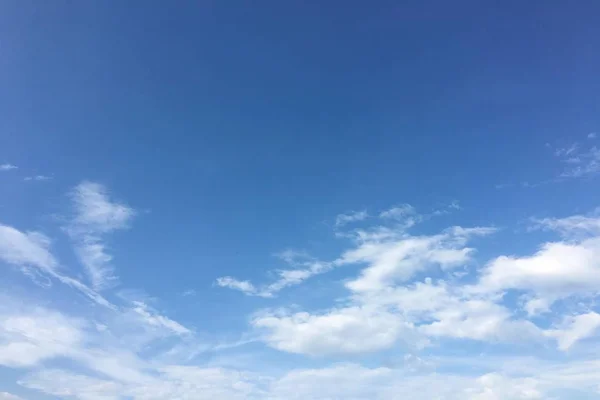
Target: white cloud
38, 178
93, 254
379, 303
306, 267
396, 260
376, 319
573, 226
557, 270
31, 337
399, 212
7, 167
404, 215
445, 310
354, 216
243, 286
592, 135
96, 212
567, 151
32, 250
501, 186
171, 382
72, 385
29, 249
498, 387
135, 352
479, 320
338, 381
453, 206
154, 319
580, 163
289, 277
123, 373
96, 215
27, 339
344, 381
575, 328
339, 331
351, 381
8, 396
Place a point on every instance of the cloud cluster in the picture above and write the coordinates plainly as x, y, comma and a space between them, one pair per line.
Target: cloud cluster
384, 311
403, 293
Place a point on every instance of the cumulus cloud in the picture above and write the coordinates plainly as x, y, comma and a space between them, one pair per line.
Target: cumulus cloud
557, 270
479, 320
350, 330
575, 328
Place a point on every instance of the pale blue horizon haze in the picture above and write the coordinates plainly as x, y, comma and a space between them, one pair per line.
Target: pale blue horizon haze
299, 200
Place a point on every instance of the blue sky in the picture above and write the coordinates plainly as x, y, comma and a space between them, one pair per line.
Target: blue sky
298, 200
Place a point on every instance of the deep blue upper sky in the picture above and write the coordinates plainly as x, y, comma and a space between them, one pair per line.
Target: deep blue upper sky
294, 109
239, 129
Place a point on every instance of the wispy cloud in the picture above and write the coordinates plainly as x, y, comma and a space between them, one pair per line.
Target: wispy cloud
8, 396
28, 250
95, 215
404, 213
243, 286
582, 163
573, 226
580, 160
7, 167
396, 221
354, 216
567, 151
152, 318
38, 178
